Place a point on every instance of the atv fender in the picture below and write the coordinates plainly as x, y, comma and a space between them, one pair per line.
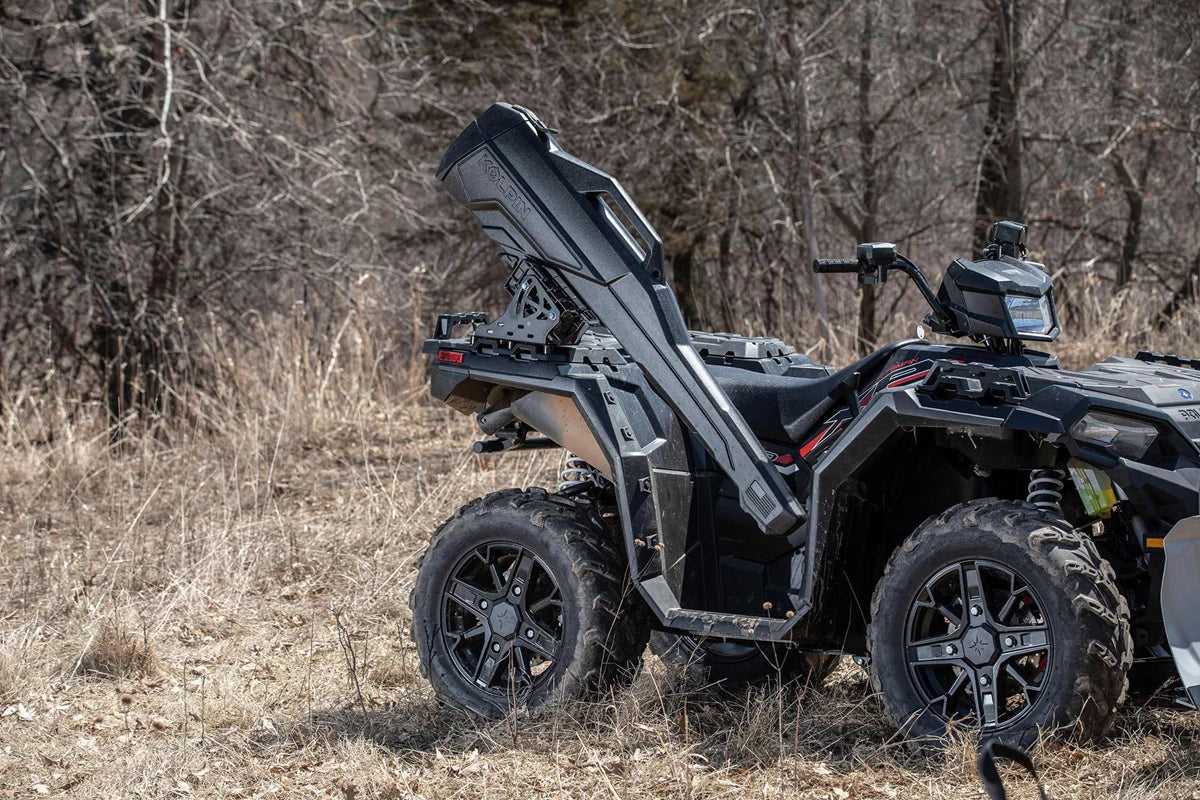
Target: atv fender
1181, 601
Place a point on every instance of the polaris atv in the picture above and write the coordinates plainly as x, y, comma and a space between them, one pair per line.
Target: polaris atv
1003, 542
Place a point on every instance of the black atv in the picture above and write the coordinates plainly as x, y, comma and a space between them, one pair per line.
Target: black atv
1004, 542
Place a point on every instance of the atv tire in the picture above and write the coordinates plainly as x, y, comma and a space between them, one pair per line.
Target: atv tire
729, 664
523, 599
1038, 627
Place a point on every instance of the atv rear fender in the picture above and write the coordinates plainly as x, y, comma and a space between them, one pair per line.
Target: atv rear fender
663, 480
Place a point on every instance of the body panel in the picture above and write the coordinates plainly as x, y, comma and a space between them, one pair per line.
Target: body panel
1181, 601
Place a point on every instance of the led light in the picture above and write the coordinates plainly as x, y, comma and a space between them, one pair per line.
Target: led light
1125, 436
1029, 314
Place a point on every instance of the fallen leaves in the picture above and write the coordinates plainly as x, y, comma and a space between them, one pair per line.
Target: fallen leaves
22, 712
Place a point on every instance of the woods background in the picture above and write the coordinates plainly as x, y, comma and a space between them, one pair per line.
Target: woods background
184, 183
222, 241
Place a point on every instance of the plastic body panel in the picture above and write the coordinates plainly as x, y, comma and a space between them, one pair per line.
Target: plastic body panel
663, 479
1181, 601
542, 204
973, 292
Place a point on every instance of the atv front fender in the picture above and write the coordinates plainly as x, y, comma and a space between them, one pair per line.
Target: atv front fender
1181, 601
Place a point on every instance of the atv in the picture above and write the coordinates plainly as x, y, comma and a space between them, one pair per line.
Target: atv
1003, 543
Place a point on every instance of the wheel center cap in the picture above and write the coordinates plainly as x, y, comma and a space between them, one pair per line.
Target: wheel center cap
504, 619
979, 646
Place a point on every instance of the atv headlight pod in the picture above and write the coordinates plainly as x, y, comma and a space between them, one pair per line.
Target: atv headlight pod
1029, 314
1125, 436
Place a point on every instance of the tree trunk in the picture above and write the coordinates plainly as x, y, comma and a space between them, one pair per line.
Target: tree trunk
1000, 182
806, 202
1132, 187
868, 330
683, 265
1133, 190
1187, 293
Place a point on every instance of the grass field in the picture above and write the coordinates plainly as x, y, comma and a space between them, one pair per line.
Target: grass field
223, 613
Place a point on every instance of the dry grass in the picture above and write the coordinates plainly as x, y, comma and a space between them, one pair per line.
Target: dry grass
168, 629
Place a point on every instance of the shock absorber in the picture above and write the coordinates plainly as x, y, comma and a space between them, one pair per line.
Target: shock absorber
1046, 489
577, 474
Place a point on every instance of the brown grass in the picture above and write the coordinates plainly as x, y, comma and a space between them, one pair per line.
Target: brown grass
113, 652
167, 627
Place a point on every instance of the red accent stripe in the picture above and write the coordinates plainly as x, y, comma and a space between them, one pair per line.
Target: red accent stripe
806, 449
909, 379
453, 356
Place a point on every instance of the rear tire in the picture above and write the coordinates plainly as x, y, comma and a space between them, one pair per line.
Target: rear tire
522, 599
732, 663
1015, 609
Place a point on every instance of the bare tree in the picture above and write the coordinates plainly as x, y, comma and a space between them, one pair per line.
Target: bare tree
171, 170
999, 193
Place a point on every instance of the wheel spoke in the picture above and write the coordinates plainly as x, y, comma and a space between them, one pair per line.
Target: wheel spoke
985, 700
947, 699
521, 570
1014, 596
1006, 609
538, 605
520, 668
459, 636
933, 651
1017, 676
542, 643
1027, 687
467, 596
940, 607
972, 593
1026, 641
489, 662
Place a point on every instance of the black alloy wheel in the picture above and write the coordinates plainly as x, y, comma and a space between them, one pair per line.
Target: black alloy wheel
978, 644
998, 619
502, 618
523, 600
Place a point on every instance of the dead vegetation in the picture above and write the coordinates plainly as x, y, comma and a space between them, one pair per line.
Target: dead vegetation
221, 239
114, 652
168, 626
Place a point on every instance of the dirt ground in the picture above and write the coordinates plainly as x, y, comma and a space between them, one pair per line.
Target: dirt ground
224, 615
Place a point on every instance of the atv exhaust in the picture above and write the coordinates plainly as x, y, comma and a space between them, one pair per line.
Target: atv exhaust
557, 418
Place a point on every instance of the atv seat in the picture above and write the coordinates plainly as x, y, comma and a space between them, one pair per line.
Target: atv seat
781, 408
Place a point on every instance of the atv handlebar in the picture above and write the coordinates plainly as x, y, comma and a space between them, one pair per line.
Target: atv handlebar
824, 265
875, 260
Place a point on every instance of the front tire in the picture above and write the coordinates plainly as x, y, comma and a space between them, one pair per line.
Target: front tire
998, 617
521, 600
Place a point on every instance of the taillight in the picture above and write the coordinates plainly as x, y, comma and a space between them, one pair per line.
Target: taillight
452, 356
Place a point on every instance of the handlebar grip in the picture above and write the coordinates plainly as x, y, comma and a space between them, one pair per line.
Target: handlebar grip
823, 265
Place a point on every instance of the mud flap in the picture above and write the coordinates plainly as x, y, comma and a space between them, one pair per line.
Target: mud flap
1181, 601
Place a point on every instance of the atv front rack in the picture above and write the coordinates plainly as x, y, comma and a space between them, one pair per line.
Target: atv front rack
1170, 359
583, 253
